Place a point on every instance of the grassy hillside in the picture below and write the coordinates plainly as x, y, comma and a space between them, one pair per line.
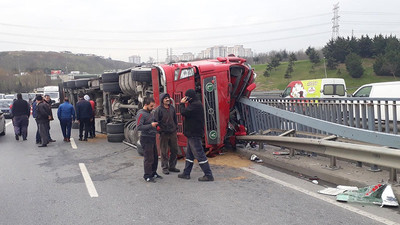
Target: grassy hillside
26, 61
303, 71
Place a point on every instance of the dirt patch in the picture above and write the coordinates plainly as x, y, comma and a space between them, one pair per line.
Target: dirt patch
230, 159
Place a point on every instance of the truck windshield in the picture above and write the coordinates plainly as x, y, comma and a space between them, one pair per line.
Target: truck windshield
52, 94
286, 92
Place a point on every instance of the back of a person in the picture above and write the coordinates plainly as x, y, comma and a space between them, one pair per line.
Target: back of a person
194, 122
83, 109
20, 107
65, 110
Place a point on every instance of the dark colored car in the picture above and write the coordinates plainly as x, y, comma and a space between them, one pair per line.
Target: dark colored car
5, 107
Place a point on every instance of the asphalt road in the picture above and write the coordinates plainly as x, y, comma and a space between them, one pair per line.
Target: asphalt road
46, 186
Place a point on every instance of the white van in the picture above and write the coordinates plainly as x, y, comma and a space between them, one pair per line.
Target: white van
316, 88
381, 90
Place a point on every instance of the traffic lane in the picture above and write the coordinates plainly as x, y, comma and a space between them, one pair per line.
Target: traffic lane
235, 197
29, 186
57, 192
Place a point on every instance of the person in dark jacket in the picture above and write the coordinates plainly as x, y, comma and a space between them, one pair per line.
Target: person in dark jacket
193, 129
83, 115
147, 128
21, 111
43, 117
34, 104
165, 115
66, 114
47, 100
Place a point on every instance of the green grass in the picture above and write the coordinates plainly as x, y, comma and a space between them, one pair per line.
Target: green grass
303, 71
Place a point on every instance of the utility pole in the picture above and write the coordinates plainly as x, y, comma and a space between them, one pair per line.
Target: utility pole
326, 75
335, 21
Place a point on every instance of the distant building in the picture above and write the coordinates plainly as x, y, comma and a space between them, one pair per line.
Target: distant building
135, 59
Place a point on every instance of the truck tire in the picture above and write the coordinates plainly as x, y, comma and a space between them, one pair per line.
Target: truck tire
115, 137
111, 87
141, 75
82, 83
109, 77
115, 128
71, 84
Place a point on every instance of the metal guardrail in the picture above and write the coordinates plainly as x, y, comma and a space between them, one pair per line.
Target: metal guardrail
321, 117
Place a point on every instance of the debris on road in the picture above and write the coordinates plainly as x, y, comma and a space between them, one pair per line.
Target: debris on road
338, 190
380, 194
314, 181
255, 158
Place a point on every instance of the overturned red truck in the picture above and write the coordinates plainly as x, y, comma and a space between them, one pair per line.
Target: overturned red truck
219, 83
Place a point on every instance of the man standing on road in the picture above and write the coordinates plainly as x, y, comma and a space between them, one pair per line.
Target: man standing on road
66, 114
193, 129
146, 125
47, 100
43, 117
34, 104
21, 112
165, 115
92, 130
84, 115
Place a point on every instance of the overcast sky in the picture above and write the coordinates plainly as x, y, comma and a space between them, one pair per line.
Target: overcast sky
119, 29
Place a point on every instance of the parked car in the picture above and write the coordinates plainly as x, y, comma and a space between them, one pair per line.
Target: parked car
2, 124
5, 107
10, 96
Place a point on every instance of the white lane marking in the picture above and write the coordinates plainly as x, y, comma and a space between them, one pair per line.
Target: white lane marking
8, 123
73, 144
321, 197
89, 184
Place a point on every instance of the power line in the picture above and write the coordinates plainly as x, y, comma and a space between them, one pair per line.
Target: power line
371, 13
163, 39
155, 48
164, 31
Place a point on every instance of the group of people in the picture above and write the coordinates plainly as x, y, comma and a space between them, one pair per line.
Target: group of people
41, 111
164, 121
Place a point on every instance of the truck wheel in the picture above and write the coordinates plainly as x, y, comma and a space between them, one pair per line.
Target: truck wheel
71, 84
115, 137
109, 77
84, 83
115, 128
111, 87
141, 75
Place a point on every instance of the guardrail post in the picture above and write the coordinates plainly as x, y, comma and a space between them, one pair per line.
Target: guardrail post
290, 133
393, 176
260, 144
333, 163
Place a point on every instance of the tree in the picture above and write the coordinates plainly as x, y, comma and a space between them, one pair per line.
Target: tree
275, 62
354, 65
292, 57
313, 55
392, 63
365, 45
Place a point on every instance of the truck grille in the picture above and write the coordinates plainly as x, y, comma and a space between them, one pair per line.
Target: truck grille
211, 111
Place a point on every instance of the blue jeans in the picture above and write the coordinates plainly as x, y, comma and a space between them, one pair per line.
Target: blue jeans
66, 125
195, 150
